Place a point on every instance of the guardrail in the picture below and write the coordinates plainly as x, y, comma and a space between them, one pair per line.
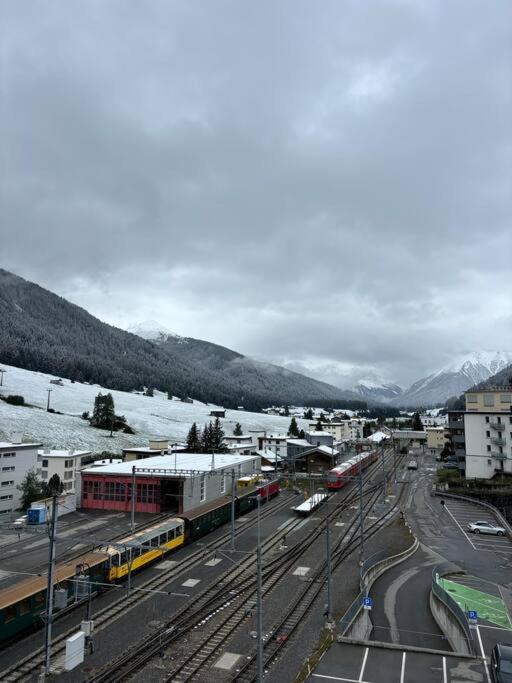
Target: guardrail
468, 499
443, 595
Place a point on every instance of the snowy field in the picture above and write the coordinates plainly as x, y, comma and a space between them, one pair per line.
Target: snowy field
156, 416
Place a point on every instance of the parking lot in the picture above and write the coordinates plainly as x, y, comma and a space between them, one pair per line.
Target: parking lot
350, 663
461, 514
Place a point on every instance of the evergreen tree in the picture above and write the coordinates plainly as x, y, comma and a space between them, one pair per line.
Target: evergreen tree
417, 424
54, 487
319, 427
302, 434
103, 415
308, 414
322, 418
149, 392
206, 439
169, 395
31, 489
237, 431
286, 411
217, 437
193, 440
293, 429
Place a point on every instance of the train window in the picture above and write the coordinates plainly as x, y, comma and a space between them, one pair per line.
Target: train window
39, 598
154, 541
115, 560
122, 557
25, 606
163, 539
10, 614
172, 534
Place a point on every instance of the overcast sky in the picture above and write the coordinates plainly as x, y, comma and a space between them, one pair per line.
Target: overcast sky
323, 184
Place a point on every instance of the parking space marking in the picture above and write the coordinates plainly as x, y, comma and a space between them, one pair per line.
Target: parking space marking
363, 665
402, 672
445, 675
465, 534
484, 658
337, 678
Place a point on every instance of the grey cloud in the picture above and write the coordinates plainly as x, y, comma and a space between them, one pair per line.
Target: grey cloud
294, 183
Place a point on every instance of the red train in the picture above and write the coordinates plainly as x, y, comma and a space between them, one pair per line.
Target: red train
339, 476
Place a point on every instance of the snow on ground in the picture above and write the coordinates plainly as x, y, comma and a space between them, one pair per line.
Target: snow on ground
156, 416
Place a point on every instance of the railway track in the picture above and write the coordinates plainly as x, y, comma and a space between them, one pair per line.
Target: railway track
32, 662
220, 600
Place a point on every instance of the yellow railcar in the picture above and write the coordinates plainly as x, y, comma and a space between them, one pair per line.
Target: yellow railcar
138, 550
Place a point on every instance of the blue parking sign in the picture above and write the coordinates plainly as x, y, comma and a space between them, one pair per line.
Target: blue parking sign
367, 603
472, 615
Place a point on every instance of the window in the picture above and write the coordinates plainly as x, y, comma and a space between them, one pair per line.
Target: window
202, 495
68, 463
489, 400
10, 614
44, 475
505, 398
163, 539
68, 475
499, 419
68, 486
488, 449
487, 419
25, 606
44, 463
5, 512
501, 449
471, 398
488, 434
9, 468
8, 483
223, 482
6, 497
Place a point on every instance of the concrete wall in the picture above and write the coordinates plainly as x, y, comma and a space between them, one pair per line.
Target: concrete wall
449, 625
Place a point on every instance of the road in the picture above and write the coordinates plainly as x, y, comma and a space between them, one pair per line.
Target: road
406, 644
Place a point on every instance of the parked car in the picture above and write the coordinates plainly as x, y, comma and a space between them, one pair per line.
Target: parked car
501, 663
412, 465
449, 466
486, 528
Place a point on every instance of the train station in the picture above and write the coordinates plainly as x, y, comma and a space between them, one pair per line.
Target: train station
174, 483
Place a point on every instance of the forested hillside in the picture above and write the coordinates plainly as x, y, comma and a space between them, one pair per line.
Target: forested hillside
42, 331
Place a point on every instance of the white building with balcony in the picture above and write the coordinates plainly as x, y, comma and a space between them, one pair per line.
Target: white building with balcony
16, 459
67, 464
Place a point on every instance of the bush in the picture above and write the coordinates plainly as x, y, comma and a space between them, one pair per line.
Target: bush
15, 400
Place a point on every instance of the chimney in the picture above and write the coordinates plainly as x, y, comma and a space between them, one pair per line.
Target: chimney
16, 437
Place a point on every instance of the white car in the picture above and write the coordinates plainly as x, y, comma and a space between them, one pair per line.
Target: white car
412, 465
486, 528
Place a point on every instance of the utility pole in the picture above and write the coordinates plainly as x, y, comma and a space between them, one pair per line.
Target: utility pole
394, 462
328, 550
48, 401
133, 498
259, 604
383, 474
233, 494
49, 589
361, 515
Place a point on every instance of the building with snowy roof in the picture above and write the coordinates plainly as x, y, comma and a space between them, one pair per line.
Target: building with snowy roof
174, 483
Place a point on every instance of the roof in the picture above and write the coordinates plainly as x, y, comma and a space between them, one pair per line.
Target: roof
317, 433
62, 454
17, 446
270, 455
64, 570
378, 437
145, 449
200, 462
299, 442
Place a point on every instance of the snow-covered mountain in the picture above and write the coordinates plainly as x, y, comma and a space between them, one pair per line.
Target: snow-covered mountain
463, 373
372, 390
152, 331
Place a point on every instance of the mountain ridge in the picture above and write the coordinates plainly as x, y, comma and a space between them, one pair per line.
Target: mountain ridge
45, 332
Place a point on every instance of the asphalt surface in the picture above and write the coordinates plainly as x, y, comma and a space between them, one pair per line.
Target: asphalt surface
400, 612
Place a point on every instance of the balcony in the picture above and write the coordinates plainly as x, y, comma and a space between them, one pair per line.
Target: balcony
498, 426
499, 456
498, 441
455, 424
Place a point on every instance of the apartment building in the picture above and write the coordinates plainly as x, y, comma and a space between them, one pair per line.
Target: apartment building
343, 430
66, 464
488, 432
277, 443
436, 438
16, 459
